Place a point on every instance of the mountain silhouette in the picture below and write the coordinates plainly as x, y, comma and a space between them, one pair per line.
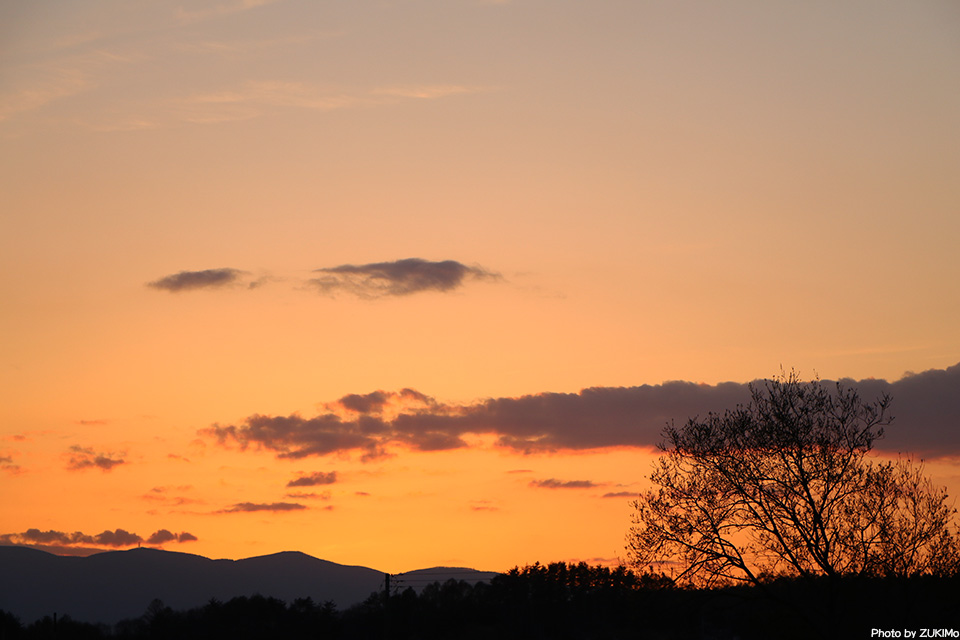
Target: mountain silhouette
116, 585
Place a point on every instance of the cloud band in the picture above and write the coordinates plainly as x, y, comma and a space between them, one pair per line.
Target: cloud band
925, 406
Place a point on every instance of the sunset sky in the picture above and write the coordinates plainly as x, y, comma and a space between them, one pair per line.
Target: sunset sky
407, 283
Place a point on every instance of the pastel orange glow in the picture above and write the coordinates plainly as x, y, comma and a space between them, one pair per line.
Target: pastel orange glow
405, 284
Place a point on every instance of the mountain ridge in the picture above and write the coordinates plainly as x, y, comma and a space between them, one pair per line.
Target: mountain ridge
115, 585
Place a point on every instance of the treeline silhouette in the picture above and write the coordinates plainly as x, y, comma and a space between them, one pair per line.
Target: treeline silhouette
555, 601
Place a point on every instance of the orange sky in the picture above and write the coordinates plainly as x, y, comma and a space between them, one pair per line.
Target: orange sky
602, 194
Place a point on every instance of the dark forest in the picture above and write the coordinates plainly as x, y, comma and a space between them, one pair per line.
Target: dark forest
557, 601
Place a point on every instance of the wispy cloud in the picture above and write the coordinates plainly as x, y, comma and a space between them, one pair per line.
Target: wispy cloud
483, 505
925, 405
429, 91
255, 98
397, 278
48, 85
620, 494
236, 102
80, 458
278, 94
165, 496
302, 495
220, 9
192, 280
233, 48
306, 95
247, 507
64, 74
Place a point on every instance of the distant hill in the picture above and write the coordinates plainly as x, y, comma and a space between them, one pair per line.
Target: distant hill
115, 585
422, 577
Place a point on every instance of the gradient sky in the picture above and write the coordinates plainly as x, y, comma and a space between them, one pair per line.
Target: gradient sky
331, 276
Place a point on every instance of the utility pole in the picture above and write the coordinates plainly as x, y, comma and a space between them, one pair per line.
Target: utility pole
386, 605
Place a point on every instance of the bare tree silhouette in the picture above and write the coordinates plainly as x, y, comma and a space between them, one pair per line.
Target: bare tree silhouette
784, 487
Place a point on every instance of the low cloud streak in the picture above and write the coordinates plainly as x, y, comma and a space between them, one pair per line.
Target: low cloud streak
552, 483
248, 507
193, 280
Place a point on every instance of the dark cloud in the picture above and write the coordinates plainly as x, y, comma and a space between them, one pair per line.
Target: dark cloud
432, 441
378, 401
314, 479
36, 536
415, 397
117, 538
620, 494
926, 407
60, 540
926, 410
398, 278
593, 418
244, 507
296, 437
189, 280
365, 403
84, 458
551, 483
163, 535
